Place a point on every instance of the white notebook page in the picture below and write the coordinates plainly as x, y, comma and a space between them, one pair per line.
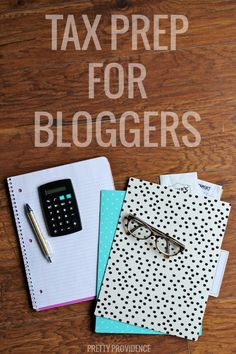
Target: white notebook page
72, 274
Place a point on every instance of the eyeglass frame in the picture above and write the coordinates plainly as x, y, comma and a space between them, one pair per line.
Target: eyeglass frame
154, 233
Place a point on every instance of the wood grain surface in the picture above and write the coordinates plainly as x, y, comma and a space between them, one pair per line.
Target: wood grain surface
199, 76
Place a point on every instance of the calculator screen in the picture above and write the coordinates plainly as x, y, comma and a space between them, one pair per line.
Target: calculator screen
55, 190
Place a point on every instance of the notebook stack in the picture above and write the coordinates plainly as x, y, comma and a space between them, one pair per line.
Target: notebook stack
149, 285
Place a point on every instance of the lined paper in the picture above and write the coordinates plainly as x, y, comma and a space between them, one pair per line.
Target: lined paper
71, 277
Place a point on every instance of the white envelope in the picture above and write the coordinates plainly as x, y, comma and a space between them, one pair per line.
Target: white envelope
184, 182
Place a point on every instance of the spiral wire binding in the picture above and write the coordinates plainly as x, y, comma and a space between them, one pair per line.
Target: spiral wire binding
22, 242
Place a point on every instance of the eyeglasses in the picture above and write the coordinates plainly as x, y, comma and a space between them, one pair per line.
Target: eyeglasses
139, 229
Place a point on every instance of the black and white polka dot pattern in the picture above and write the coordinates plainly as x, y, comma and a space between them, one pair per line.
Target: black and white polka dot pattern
140, 285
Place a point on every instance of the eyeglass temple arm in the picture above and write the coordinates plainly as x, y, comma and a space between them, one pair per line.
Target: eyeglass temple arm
135, 228
167, 246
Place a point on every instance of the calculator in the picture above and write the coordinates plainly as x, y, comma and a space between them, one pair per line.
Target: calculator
60, 208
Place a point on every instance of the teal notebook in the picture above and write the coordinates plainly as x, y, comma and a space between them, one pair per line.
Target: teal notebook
110, 208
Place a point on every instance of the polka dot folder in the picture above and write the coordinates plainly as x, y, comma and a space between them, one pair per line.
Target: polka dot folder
111, 204
143, 288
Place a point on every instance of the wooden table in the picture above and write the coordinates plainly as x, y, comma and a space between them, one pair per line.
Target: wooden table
199, 76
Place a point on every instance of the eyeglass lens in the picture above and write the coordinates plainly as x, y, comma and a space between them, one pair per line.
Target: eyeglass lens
167, 246
138, 230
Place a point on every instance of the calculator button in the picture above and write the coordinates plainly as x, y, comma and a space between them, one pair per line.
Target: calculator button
56, 205
68, 228
71, 208
62, 197
63, 203
49, 206
68, 196
62, 230
54, 199
48, 201
69, 202
58, 211
67, 222
64, 209
75, 223
60, 223
50, 212
55, 231
59, 217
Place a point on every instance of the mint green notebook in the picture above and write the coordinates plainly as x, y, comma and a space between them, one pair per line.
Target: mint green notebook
110, 208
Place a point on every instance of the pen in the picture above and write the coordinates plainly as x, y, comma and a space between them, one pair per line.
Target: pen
38, 233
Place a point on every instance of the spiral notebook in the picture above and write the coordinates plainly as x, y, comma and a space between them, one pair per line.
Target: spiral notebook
142, 287
71, 277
